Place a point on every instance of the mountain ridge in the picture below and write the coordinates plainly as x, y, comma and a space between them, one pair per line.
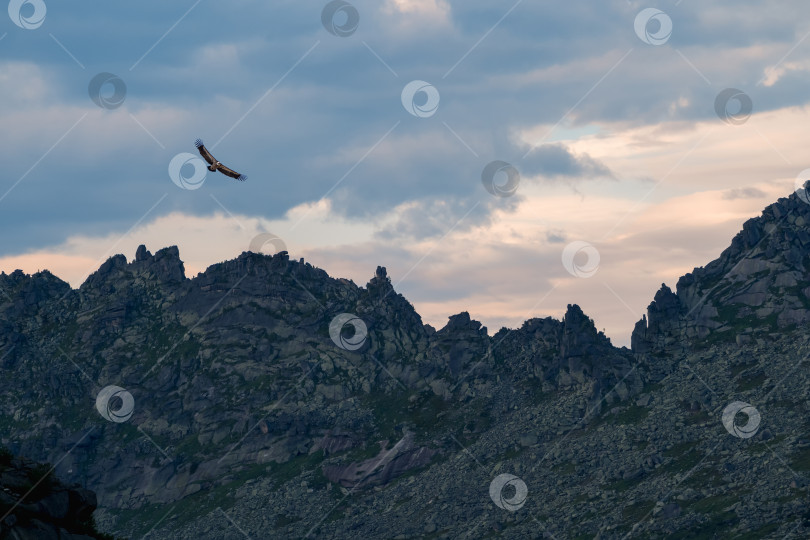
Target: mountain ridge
764, 261
265, 379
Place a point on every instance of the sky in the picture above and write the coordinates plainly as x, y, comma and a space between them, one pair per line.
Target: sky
502, 158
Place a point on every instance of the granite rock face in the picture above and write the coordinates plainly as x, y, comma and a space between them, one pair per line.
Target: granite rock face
382, 468
237, 370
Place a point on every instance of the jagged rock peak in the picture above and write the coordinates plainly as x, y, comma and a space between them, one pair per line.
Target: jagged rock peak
31, 290
380, 287
165, 265
18, 276
380, 280
575, 316
463, 322
142, 254
579, 332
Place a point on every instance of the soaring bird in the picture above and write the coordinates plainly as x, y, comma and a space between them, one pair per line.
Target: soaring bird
214, 165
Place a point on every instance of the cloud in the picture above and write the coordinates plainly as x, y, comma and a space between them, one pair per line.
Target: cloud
744, 193
431, 11
24, 84
556, 161
556, 236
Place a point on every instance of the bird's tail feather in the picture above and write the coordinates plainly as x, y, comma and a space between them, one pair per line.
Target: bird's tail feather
198, 143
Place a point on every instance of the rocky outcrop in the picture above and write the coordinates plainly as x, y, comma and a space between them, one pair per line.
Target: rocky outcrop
389, 464
569, 352
758, 285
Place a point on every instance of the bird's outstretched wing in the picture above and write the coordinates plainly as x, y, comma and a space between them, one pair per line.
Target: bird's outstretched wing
230, 172
204, 152
211, 160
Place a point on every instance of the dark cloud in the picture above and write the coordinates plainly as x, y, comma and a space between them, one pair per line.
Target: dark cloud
555, 160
